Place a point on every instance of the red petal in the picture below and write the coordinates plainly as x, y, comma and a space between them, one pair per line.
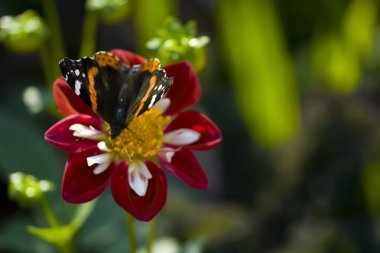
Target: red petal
62, 137
128, 57
186, 90
67, 101
185, 166
146, 207
80, 184
210, 133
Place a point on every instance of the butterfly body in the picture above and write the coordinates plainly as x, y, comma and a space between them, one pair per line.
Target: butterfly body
116, 92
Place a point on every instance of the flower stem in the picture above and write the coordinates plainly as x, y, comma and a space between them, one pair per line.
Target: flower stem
55, 41
131, 233
53, 222
89, 33
46, 65
50, 216
151, 235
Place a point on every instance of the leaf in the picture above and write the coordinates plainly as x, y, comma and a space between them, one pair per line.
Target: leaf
191, 28
156, 12
263, 74
57, 235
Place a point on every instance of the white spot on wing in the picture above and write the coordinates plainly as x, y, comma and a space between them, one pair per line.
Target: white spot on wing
152, 101
77, 72
78, 85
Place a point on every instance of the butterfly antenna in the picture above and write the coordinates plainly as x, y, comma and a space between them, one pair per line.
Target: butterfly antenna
126, 151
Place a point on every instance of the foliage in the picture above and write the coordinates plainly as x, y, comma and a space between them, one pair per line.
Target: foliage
175, 43
24, 33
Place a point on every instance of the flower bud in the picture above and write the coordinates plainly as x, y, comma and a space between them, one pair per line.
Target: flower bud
109, 11
24, 33
175, 42
27, 190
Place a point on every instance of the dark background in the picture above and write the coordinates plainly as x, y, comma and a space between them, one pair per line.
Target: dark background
293, 86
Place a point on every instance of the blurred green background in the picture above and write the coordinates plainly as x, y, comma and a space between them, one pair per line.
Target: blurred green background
293, 85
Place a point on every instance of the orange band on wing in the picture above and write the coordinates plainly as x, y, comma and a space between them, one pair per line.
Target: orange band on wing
152, 83
91, 87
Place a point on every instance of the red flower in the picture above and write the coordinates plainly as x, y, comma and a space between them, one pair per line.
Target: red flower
161, 137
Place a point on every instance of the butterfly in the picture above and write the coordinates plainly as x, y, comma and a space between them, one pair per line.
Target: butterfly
116, 92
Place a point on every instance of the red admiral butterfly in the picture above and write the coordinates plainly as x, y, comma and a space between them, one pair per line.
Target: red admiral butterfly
116, 92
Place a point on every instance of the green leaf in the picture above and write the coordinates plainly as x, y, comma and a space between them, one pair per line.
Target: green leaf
338, 55
155, 12
191, 28
261, 68
176, 42
27, 190
24, 33
109, 11
57, 235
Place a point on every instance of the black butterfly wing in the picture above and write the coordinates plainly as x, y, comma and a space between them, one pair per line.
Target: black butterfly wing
114, 91
151, 86
97, 81
75, 73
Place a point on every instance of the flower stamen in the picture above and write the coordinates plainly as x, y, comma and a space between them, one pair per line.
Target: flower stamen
142, 139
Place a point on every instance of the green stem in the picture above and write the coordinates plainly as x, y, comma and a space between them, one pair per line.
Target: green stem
53, 222
151, 235
46, 65
131, 233
50, 216
55, 41
89, 33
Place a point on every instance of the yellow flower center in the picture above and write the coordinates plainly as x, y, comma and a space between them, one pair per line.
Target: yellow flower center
141, 139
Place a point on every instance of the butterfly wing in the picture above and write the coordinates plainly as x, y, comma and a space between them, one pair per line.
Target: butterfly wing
96, 81
75, 73
116, 92
152, 84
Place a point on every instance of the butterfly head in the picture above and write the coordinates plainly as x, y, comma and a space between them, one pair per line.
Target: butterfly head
116, 129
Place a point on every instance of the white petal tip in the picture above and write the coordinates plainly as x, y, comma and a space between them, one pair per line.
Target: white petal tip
138, 177
103, 147
167, 153
86, 132
104, 160
162, 105
182, 136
